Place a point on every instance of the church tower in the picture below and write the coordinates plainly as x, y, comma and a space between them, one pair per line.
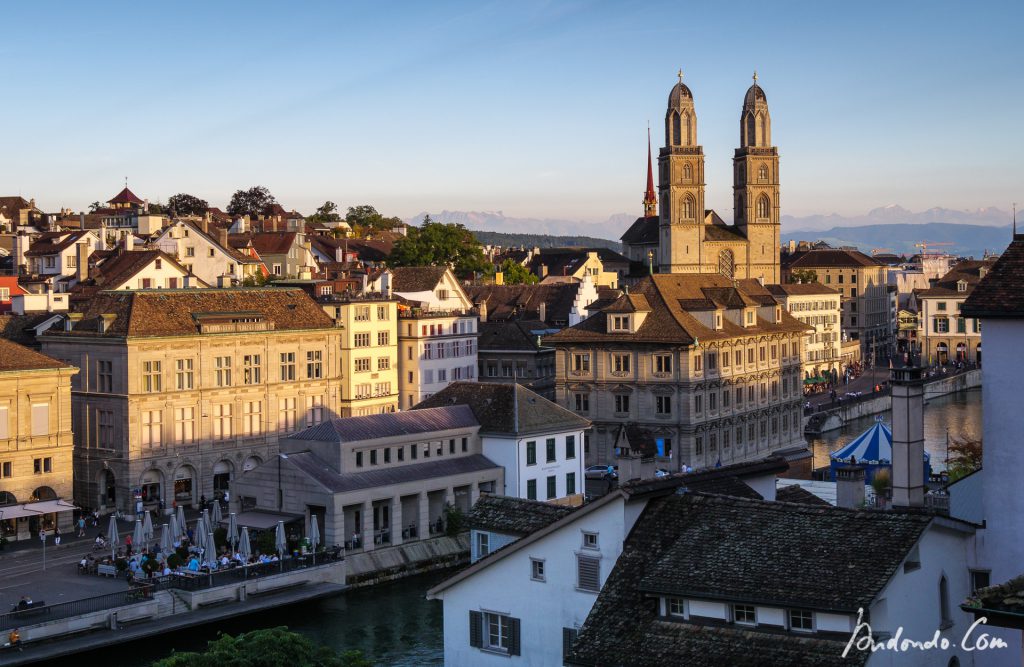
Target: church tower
681, 186
756, 187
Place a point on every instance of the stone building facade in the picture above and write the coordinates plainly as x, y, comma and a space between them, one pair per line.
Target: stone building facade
369, 353
818, 307
183, 390
944, 334
708, 368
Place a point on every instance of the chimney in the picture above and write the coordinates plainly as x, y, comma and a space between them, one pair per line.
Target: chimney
205, 223
908, 436
339, 254
129, 242
81, 261
222, 236
850, 486
81, 220
482, 310
542, 311
543, 271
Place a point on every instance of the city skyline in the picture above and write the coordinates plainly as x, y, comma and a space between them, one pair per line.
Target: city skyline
537, 111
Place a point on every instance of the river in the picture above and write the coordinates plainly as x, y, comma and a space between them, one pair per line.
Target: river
392, 624
958, 414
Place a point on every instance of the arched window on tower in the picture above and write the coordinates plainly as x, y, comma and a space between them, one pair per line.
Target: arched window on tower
687, 172
748, 140
688, 128
762, 130
676, 131
687, 208
726, 265
763, 207
762, 172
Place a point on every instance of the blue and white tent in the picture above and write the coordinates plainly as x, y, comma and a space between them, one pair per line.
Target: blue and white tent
873, 450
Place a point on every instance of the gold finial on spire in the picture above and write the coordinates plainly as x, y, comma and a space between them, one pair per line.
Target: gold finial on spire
680, 75
755, 77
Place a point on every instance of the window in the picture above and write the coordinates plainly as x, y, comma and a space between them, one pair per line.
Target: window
698, 363
569, 636
621, 403
451, 446
698, 403
382, 312
942, 325
582, 402
151, 377
620, 322
222, 421
373, 457
287, 366
675, 606
801, 620
40, 418
6, 470
105, 376
190, 251
252, 417
43, 465
620, 363
589, 540
152, 428
536, 569
184, 425
552, 482
222, 371
361, 340
383, 338
738, 357
314, 364
531, 489
980, 579
550, 447
362, 365
941, 305
483, 544
744, 614
494, 632
712, 361
588, 573
531, 453
663, 363
465, 445
663, 405
183, 374
570, 483
362, 314
314, 410
359, 459
961, 325
251, 369
104, 428
383, 363
581, 363
570, 447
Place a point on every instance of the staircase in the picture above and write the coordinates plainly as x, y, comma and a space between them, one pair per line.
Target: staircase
170, 603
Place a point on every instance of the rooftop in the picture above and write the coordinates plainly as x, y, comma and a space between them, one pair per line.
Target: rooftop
335, 482
505, 409
514, 516
14, 357
390, 424
828, 258
1000, 294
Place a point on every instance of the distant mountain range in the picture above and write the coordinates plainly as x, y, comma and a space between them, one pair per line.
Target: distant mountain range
899, 238
894, 213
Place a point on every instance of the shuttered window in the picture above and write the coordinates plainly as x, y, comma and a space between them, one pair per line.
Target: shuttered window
494, 632
588, 573
40, 418
568, 637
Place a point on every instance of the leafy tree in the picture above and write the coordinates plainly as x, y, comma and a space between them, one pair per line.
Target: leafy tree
265, 648
803, 276
438, 244
514, 273
365, 218
258, 280
251, 202
964, 457
157, 208
326, 213
95, 206
454, 520
185, 204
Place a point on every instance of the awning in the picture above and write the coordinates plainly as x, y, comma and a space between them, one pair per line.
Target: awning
816, 380
35, 509
263, 520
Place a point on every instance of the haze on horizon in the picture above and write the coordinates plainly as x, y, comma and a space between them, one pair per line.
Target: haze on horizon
535, 109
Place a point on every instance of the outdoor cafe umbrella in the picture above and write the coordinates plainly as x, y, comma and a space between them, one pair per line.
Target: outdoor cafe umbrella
314, 535
175, 530
200, 529
217, 516
210, 551
181, 520
166, 542
147, 527
280, 542
112, 536
206, 518
139, 536
244, 548
233, 530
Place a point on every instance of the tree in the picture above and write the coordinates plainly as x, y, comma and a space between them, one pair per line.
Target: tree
438, 244
365, 218
514, 273
803, 276
185, 204
95, 206
326, 213
251, 202
157, 208
964, 457
264, 648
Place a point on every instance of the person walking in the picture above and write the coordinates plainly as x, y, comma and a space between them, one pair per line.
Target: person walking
81, 526
56, 536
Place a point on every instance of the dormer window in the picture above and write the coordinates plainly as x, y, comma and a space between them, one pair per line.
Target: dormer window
718, 320
749, 317
620, 323
778, 314
961, 286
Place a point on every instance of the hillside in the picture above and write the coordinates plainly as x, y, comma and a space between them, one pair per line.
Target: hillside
543, 241
965, 240
496, 221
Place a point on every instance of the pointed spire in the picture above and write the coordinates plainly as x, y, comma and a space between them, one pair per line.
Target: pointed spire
650, 198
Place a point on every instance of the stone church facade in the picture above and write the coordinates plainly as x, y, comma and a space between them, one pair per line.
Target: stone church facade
686, 237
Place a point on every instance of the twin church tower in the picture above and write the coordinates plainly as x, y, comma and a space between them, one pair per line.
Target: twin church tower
688, 238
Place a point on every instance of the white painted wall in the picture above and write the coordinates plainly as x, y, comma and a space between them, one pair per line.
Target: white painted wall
510, 454
174, 242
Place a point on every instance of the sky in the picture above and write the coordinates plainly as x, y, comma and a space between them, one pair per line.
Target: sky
536, 109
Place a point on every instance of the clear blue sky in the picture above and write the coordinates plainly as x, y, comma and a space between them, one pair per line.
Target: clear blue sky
536, 109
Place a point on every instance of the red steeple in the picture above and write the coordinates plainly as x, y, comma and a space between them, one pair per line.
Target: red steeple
650, 199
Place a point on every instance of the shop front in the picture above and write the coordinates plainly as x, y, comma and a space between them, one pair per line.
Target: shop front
184, 486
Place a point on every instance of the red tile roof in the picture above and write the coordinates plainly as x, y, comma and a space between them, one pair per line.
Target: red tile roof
14, 357
125, 196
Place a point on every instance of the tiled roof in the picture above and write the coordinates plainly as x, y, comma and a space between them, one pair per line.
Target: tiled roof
122, 267
505, 302
794, 493
1007, 597
644, 231
1000, 294
385, 476
801, 289
968, 271
273, 243
709, 480
19, 328
390, 424
213, 239
829, 259
416, 278
671, 298
510, 335
52, 242
713, 547
506, 409
172, 312
125, 196
723, 233
629, 303
514, 516
14, 357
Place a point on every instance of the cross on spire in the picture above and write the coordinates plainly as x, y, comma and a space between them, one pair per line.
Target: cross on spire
755, 77
680, 75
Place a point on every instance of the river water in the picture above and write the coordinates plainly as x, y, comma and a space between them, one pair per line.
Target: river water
958, 414
392, 624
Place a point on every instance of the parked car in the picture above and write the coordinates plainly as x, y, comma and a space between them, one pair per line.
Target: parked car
601, 472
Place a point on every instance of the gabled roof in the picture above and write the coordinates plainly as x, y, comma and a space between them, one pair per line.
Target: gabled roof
51, 243
122, 267
416, 278
506, 302
514, 516
629, 303
828, 259
969, 272
14, 357
125, 196
331, 480
801, 289
511, 335
1000, 294
505, 409
273, 243
390, 425
643, 231
194, 228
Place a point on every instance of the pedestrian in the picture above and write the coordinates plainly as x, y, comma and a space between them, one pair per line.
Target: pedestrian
14, 639
56, 536
202, 501
81, 526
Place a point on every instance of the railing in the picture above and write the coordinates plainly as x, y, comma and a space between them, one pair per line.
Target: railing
195, 581
55, 612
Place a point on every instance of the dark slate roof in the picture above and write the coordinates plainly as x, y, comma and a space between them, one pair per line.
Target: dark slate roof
711, 480
416, 278
713, 547
969, 271
1007, 597
829, 259
514, 516
19, 328
505, 409
511, 335
51, 243
801, 289
14, 357
390, 424
335, 482
1000, 294
723, 233
794, 493
644, 231
507, 302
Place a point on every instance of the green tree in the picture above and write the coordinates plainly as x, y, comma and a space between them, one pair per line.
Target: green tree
514, 273
264, 648
803, 276
365, 218
438, 244
186, 204
326, 213
95, 206
251, 202
964, 457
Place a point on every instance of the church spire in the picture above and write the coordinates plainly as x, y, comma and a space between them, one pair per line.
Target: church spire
650, 199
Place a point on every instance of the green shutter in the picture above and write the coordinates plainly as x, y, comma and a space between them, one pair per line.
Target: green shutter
513, 636
476, 629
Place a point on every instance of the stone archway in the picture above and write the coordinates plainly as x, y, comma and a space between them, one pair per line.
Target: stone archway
223, 471
186, 485
151, 484
43, 493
